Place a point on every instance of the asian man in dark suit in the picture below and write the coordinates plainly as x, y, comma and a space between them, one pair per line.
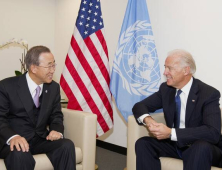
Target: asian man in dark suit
193, 119
28, 104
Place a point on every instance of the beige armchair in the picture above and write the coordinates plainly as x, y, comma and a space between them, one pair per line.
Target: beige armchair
80, 127
135, 132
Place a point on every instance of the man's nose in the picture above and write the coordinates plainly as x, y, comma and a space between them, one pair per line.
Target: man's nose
52, 70
165, 72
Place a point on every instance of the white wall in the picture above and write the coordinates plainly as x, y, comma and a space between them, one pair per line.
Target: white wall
66, 13
31, 20
192, 25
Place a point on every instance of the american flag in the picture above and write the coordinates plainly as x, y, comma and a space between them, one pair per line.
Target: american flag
85, 78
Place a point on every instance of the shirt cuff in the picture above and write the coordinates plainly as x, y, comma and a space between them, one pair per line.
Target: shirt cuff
173, 135
61, 135
8, 141
141, 118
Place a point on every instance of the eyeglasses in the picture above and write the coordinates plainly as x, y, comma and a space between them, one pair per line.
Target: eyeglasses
53, 66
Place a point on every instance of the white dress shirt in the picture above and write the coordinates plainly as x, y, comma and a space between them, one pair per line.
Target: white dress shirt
32, 86
183, 98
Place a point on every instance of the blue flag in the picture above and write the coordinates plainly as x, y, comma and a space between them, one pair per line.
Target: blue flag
135, 72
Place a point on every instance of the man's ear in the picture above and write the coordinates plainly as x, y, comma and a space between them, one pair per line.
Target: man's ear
186, 70
33, 68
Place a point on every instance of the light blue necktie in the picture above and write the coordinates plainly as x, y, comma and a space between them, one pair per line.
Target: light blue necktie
36, 97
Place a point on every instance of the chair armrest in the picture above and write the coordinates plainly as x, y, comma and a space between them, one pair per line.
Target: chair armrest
80, 127
135, 132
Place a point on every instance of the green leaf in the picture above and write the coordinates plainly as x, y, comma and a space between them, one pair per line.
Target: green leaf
17, 73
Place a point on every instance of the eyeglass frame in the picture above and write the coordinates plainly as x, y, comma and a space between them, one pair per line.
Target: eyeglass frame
53, 66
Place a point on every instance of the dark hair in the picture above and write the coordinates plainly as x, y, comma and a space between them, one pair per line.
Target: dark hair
32, 56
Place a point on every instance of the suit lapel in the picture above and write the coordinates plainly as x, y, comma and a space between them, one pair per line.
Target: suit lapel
25, 96
45, 98
191, 101
172, 107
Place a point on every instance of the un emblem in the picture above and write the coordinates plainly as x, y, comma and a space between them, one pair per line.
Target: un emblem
137, 61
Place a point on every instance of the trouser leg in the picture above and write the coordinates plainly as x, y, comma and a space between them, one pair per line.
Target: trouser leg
148, 151
17, 160
60, 152
201, 155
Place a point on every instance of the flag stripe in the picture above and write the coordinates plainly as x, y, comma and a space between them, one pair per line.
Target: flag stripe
100, 49
97, 58
74, 89
90, 72
99, 129
79, 98
92, 63
87, 82
94, 38
73, 103
101, 38
86, 94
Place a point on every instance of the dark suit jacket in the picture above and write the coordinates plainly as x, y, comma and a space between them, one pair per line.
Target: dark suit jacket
16, 110
203, 115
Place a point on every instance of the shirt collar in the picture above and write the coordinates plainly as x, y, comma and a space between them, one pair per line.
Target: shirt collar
187, 87
32, 85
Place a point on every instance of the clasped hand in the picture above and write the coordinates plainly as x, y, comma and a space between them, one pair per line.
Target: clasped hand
20, 143
159, 130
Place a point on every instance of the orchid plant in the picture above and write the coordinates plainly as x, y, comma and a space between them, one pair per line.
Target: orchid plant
18, 43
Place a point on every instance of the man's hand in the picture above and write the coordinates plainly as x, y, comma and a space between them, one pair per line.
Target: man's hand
53, 135
159, 130
20, 143
148, 121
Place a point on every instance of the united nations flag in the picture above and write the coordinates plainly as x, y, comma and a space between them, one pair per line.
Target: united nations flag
135, 72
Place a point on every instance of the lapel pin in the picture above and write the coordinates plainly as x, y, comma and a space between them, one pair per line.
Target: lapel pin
46, 91
193, 100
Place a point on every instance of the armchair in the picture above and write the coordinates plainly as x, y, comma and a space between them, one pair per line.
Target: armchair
80, 127
135, 132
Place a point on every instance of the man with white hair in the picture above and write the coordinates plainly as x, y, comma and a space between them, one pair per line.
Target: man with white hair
193, 119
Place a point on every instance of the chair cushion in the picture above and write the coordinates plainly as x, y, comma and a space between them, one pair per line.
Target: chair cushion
2, 164
78, 155
79, 167
42, 162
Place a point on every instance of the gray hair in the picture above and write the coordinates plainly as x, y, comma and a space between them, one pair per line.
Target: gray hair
33, 54
186, 59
